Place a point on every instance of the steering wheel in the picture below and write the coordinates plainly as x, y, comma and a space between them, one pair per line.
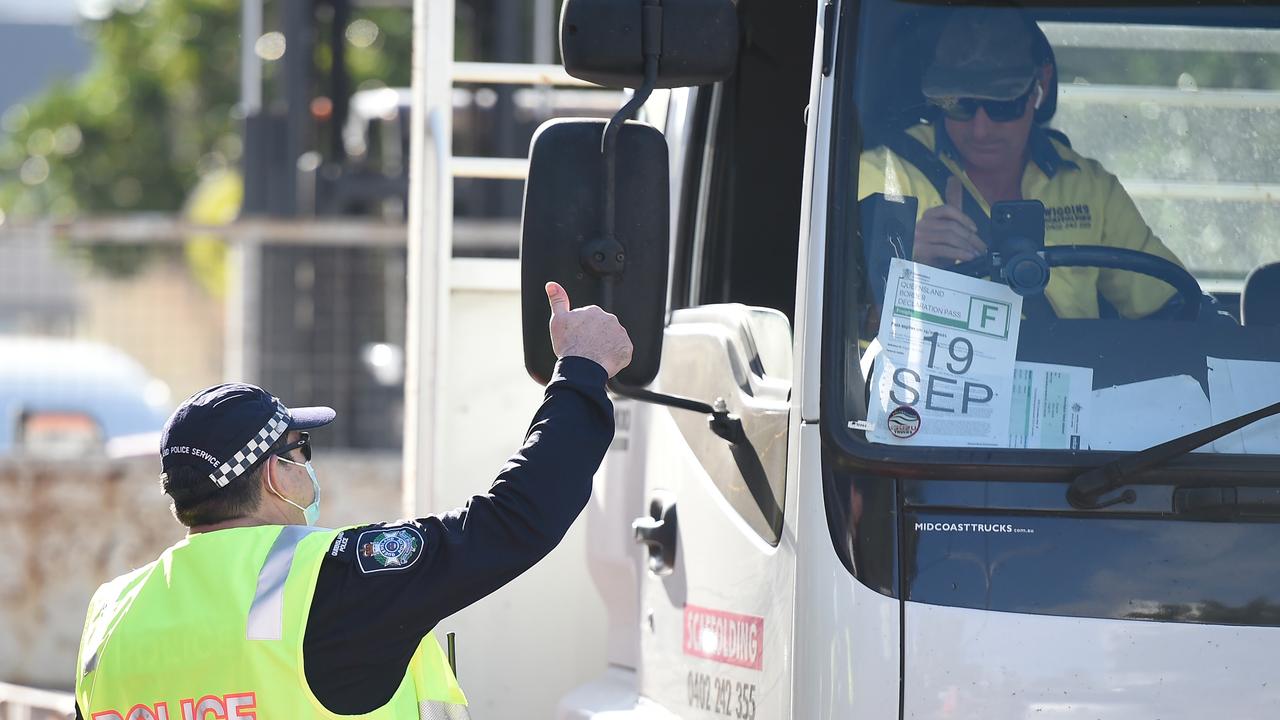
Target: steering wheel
1027, 275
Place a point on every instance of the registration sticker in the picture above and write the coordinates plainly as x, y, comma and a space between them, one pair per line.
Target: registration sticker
904, 422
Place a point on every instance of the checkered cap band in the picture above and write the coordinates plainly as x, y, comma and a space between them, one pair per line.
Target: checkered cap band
253, 452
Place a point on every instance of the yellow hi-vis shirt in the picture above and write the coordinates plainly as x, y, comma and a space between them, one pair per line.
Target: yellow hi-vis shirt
214, 628
1083, 205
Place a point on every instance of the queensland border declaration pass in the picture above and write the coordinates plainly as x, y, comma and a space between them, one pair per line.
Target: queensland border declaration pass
944, 376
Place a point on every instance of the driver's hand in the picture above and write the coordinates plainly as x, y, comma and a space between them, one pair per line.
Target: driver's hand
945, 235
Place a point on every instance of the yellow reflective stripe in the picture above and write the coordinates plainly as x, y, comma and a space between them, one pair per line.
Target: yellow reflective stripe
266, 614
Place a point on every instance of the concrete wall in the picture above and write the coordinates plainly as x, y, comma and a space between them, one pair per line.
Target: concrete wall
70, 526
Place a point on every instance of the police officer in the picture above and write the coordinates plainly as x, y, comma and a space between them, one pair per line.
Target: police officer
986, 80
259, 614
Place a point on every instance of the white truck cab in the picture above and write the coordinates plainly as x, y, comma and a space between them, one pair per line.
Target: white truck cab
765, 546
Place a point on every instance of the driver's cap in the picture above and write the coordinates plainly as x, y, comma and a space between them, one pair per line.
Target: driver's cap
983, 53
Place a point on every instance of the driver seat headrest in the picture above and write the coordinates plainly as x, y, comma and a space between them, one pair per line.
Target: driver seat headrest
1260, 301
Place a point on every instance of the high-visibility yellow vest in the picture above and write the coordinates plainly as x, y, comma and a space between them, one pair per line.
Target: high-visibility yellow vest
214, 628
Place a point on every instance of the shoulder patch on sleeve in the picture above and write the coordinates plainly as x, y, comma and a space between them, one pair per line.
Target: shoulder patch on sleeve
388, 549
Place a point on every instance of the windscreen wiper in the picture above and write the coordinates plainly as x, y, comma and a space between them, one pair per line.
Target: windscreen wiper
1087, 489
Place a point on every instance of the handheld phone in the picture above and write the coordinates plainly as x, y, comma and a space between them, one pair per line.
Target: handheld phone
1017, 226
1017, 237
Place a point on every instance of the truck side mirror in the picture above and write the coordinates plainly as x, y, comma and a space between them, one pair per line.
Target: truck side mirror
696, 41
561, 239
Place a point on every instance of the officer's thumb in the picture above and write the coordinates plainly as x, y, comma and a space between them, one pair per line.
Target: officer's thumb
558, 298
955, 193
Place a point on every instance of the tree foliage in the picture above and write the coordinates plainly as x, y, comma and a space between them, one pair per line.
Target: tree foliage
135, 131
156, 110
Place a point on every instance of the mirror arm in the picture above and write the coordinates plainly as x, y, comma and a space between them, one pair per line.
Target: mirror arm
723, 423
606, 257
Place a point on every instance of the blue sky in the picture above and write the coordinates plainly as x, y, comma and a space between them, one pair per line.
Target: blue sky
39, 36
43, 11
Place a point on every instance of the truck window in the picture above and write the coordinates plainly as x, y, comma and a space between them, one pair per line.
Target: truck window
751, 212
1146, 133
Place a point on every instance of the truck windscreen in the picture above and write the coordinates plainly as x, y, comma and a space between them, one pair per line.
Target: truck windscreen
1064, 233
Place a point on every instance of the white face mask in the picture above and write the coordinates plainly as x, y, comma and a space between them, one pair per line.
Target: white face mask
310, 513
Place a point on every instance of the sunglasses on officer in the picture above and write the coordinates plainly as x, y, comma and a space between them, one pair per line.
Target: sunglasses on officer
964, 109
303, 443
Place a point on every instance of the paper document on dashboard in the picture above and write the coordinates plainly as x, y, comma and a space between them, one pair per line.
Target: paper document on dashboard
1237, 387
1139, 415
945, 374
1050, 405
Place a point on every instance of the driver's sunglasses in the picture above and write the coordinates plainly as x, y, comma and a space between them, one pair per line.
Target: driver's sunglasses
964, 109
303, 443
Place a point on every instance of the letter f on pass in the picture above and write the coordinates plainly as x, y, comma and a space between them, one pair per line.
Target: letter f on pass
988, 313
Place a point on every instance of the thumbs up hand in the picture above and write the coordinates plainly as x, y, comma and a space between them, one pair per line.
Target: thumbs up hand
587, 332
944, 234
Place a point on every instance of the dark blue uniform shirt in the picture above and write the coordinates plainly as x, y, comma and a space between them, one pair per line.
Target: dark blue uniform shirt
367, 618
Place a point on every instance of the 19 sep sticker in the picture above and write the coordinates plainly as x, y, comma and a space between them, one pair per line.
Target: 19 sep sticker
944, 375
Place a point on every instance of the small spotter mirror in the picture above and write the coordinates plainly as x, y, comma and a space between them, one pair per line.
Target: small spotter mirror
605, 41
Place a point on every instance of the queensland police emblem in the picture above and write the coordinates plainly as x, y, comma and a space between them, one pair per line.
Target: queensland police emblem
388, 549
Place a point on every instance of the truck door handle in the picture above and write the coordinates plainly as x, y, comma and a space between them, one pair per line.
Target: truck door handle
657, 531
